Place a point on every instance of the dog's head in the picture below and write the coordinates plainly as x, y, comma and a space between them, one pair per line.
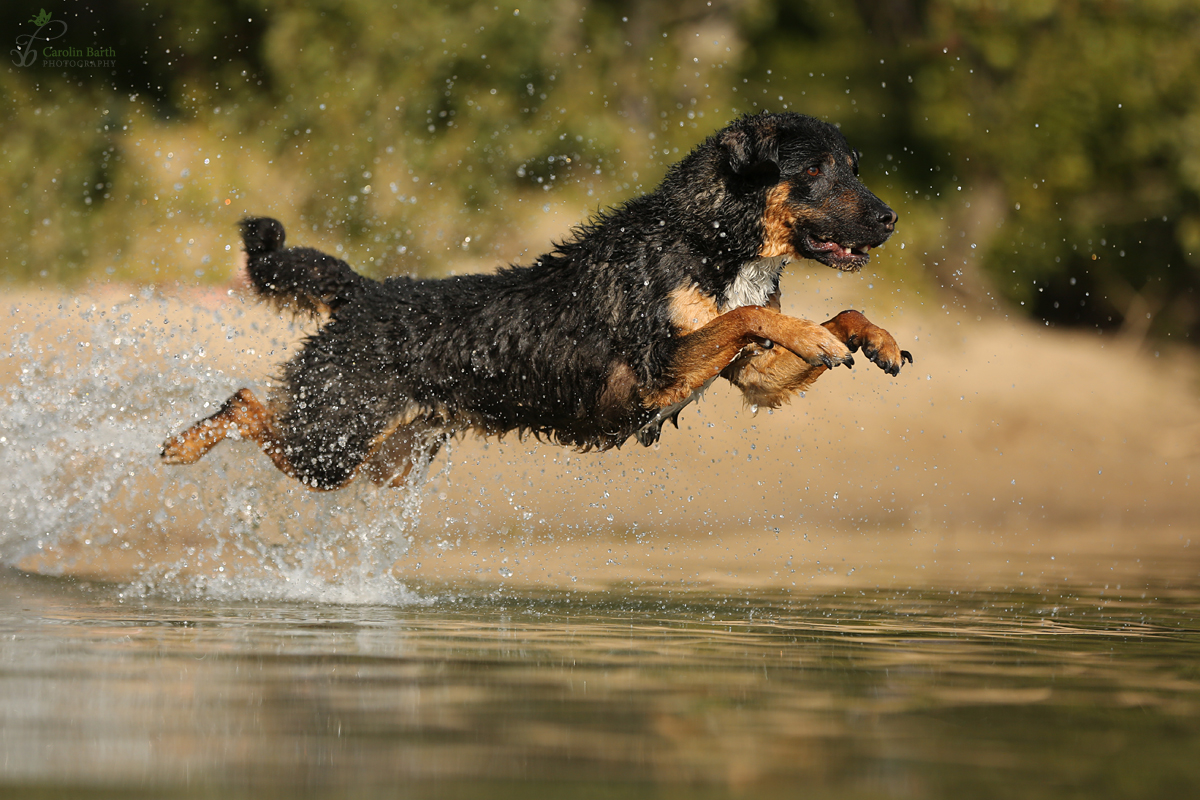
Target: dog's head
816, 207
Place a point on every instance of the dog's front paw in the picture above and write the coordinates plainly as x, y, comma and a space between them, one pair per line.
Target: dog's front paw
880, 347
818, 347
877, 344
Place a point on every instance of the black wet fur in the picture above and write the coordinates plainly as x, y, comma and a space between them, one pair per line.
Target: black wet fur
542, 348
299, 278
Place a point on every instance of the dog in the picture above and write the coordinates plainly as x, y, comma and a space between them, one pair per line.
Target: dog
603, 339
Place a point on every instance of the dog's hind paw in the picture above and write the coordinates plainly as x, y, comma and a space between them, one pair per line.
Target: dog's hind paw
190, 446
175, 451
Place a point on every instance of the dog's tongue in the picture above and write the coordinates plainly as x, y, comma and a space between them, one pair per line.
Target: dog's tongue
832, 247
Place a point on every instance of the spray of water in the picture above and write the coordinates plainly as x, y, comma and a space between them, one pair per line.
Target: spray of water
82, 493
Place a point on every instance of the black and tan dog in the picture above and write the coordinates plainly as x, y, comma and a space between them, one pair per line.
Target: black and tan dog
602, 339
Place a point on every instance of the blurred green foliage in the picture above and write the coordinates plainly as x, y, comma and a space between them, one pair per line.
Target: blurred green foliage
1041, 154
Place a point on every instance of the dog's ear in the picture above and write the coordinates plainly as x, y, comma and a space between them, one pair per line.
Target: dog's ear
752, 155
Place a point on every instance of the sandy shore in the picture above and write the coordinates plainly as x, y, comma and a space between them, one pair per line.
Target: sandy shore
1008, 454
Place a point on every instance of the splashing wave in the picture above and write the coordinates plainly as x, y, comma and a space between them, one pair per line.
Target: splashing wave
83, 495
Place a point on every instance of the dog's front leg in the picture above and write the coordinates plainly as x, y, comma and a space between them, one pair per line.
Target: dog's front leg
768, 377
702, 354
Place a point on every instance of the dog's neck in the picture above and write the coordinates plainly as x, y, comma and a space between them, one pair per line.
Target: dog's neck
754, 283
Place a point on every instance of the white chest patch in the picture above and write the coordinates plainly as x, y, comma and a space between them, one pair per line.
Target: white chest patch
756, 281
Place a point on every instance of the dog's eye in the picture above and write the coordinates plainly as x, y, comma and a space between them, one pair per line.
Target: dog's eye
814, 170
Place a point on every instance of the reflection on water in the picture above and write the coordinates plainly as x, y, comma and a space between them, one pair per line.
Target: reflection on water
1057, 693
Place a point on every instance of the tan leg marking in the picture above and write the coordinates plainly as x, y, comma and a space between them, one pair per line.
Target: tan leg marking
397, 452
707, 351
242, 413
769, 377
392, 455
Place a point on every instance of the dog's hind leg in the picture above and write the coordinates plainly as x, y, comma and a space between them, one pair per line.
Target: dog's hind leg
407, 448
769, 377
704, 353
242, 413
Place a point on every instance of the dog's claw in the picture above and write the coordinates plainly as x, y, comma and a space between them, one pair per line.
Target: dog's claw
830, 362
884, 362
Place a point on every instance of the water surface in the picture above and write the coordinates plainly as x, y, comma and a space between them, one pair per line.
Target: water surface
1062, 692
979, 593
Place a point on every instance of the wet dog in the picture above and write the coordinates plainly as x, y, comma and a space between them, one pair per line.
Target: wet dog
601, 340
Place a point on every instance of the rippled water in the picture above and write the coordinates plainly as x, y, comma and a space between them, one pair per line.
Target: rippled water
1064, 693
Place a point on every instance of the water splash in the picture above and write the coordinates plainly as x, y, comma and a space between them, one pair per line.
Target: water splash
81, 420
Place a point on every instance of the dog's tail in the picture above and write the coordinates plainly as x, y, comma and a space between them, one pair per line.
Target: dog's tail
296, 278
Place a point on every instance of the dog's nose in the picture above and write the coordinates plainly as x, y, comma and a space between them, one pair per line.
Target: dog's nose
887, 218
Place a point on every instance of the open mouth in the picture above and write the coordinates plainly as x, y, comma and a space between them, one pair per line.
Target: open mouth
834, 254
